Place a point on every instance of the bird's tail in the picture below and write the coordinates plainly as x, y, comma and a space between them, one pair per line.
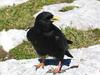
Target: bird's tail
69, 41
68, 54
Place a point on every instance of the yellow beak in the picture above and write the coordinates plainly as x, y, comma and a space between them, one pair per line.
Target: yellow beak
55, 18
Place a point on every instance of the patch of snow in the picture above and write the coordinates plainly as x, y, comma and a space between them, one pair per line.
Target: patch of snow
85, 17
12, 38
4, 3
88, 60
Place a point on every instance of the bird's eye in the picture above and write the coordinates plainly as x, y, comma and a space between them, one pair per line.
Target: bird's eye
48, 17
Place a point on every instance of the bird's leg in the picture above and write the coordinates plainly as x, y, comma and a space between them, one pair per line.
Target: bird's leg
41, 64
58, 67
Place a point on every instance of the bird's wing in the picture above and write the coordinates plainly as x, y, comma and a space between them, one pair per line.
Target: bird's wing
59, 37
62, 42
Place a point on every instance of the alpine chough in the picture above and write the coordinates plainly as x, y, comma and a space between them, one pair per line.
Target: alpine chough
47, 39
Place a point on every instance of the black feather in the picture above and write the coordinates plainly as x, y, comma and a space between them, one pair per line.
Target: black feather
47, 39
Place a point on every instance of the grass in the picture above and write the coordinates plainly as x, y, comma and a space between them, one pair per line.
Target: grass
23, 51
67, 8
21, 17
82, 38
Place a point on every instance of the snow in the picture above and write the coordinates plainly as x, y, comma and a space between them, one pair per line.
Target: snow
12, 38
4, 3
88, 60
85, 17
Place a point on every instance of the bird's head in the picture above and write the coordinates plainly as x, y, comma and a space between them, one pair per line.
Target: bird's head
44, 20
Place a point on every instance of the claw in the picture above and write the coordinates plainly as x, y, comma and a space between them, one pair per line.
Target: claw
55, 71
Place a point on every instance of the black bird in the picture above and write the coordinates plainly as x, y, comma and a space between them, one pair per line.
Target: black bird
47, 39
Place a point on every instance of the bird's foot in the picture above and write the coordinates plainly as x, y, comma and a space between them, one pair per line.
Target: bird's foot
40, 65
57, 69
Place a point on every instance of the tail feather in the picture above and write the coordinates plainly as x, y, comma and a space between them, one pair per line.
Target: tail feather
69, 41
68, 54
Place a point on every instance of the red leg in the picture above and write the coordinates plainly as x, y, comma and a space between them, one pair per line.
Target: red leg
58, 67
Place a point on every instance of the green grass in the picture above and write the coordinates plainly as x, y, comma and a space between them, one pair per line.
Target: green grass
21, 16
23, 51
67, 8
82, 38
